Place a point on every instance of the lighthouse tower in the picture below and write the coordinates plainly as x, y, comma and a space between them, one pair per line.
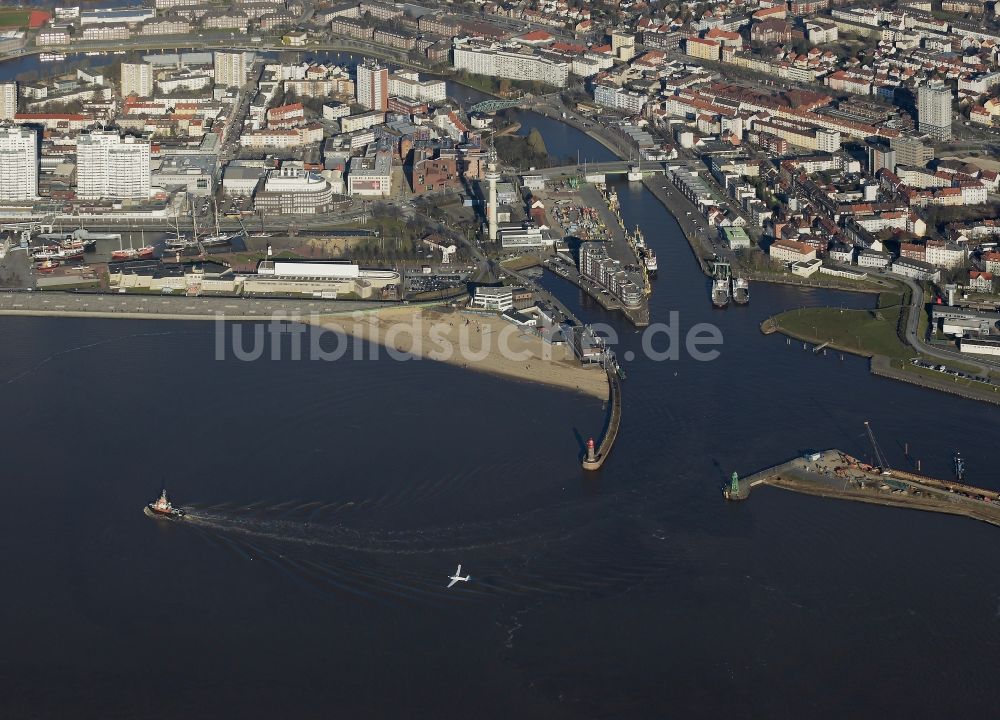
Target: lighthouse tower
492, 175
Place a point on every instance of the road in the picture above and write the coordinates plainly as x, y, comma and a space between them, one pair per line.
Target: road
167, 306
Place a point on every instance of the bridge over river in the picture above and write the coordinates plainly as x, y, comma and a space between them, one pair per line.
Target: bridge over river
616, 167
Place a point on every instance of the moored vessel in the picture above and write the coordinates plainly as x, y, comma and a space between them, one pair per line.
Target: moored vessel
124, 254
162, 507
741, 291
720, 293
132, 253
55, 252
219, 238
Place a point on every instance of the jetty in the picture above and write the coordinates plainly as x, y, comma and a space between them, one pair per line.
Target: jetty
597, 454
835, 474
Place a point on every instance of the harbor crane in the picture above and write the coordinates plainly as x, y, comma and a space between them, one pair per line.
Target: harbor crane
880, 458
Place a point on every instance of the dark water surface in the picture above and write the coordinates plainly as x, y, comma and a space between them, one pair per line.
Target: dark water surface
330, 501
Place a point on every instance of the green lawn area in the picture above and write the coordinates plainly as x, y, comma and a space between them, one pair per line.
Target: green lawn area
14, 18
953, 364
522, 262
866, 332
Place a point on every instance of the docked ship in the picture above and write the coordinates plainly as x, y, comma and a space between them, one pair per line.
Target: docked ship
219, 238
57, 253
720, 292
741, 291
162, 508
131, 253
123, 254
180, 242
79, 237
638, 241
959, 467
649, 258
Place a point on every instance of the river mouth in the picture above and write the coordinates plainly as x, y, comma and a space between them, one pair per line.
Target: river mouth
335, 501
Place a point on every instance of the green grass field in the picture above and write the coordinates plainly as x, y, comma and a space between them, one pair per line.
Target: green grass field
866, 332
14, 18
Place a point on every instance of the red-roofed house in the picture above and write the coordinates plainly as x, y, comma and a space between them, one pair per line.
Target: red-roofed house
725, 38
286, 116
981, 281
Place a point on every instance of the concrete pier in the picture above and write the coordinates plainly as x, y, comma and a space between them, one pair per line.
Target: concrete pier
594, 461
835, 474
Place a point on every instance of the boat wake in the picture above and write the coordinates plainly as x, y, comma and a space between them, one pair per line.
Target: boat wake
79, 348
555, 551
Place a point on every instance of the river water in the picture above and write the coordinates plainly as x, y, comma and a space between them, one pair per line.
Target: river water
330, 501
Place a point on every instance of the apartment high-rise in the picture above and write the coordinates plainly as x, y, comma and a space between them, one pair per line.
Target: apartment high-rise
137, 79
8, 100
18, 163
934, 110
110, 166
230, 69
911, 151
373, 86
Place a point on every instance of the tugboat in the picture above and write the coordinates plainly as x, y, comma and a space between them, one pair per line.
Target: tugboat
959, 467
162, 508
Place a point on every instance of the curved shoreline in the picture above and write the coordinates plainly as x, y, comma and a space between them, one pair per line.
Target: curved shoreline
414, 331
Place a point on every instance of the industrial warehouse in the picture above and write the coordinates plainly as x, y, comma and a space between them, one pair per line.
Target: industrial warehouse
322, 279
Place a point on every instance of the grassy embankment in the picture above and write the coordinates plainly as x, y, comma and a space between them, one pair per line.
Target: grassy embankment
522, 262
865, 332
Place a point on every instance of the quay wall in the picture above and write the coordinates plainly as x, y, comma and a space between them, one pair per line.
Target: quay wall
880, 366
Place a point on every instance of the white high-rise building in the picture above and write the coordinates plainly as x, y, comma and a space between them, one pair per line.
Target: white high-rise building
499, 62
230, 69
372, 86
934, 110
407, 84
137, 79
8, 100
110, 166
18, 163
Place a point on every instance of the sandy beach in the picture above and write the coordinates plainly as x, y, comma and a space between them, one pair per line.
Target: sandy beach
476, 342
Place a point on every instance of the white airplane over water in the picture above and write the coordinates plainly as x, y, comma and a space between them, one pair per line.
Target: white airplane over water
457, 577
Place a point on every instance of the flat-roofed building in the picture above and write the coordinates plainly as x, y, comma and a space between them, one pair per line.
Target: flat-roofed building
916, 269
18, 163
111, 166
370, 175
290, 191
497, 299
